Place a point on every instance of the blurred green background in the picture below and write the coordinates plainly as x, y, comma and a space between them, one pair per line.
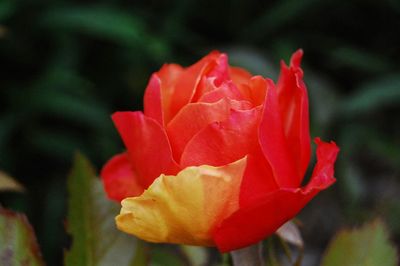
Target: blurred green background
67, 65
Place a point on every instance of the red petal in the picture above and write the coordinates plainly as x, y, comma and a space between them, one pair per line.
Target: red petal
157, 97
293, 107
147, 144
119, 179
273, 142
224, 142
153, 106
258, 179
324, 169
253, 223
191, 119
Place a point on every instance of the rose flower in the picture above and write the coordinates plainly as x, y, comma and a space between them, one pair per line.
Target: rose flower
218, 156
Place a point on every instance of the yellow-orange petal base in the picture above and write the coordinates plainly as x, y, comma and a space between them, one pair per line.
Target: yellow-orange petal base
185, 208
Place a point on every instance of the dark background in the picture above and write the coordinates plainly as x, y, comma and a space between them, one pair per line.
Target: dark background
65, 66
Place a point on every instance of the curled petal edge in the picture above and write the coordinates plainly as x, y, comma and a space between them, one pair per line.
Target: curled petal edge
253, 223
293, 104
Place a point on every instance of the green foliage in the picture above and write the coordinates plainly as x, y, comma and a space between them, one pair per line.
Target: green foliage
161, 257
105, 22
367, 246
373, 95
279, 14
17, 240
6, 9
359, 59
95, 240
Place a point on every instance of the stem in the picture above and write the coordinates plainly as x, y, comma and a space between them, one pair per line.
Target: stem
286, 249
248, 256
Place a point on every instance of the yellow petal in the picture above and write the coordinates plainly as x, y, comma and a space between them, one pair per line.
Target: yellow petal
184, 208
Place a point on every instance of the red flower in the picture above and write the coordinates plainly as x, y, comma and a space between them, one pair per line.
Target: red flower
217, 157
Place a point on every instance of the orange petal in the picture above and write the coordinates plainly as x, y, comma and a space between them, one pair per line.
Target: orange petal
223, 142
225, 90
239, 75
215, 70
157, 96
254, 90
168, 75
214, 65
185, 208
191, 119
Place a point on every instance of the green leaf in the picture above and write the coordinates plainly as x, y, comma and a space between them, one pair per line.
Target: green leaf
358, 59
18, 244
278, 15
163, 257
74, 108
7, 8
105, 22
373, 95
367, 246
95, 239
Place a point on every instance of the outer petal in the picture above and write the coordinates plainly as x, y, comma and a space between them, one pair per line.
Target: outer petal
153, 100
258, 179
293, 106
119, 179
157, 96
273, 142
223, 142
255, 222
147, 144
191, 119
169, 74
184, 208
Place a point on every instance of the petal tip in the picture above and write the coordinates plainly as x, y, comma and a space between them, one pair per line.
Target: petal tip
295, 60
